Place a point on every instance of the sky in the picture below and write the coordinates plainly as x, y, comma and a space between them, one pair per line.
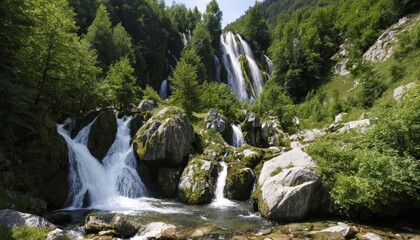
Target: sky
232, 9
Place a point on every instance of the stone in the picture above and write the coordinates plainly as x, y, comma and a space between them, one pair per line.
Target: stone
122, 226
198, 182
167, 181
359, 125
371, 236
342, 228
252, 130
341, 68
165, 138
272, 133
96, 223
59, 217
239, 182
220, 123
399, 91
10, 218
153, 230
339, 117
58, 234
147, 105
102, 133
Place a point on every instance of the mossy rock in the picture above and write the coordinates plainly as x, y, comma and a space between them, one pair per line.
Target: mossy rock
198, 181
239, 182
167, 181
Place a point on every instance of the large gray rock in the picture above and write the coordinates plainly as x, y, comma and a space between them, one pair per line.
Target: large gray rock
122, 226
102, 133
96, 223
165, 138
147, 105
359, 125
287, 186
252, 130
10, 218
220, 123
342, 228
198, 182
154, 230
239, 182
399, 91
167, 181
272, 132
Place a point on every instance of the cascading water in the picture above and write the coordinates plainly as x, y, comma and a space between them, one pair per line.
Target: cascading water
94, 184
233, 48
237, 136
269, 64
163, 92
217, 68
220, 201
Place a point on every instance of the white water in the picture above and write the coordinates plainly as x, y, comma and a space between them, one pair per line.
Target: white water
106, 184
163, 92
217, 68
237, 137
269, 64
220, 201
233, 47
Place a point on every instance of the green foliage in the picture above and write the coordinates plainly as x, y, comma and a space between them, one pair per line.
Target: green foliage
191, 57
120, 84
85, 13
187, 92
222, 98
213, 22
371, 88
185, 19
23, 233
123, 46
150, 94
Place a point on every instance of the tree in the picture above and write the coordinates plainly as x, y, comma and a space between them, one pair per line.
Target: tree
201, 44
123, 43
255, 29
186, 88
100, 37
213, 21
120, 85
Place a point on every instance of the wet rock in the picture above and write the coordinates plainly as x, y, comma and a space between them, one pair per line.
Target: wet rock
399, 91
58, 234
154, 230
165, 138
96, 223
167, 181
135, 124
76, 125
122, 226
371, 236
59, 217
102, 133
147, 105
342, 228
239, 182
10, 218
272, 133
220, 123
198, 181
287, 185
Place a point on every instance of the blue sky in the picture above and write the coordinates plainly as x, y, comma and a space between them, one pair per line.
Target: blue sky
232, 9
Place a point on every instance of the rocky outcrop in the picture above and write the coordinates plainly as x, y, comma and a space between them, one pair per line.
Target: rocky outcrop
341, 68
220, 123
252, 130
10, 218
239, 182
102, 133
399, 91
147, 105
167, 181
287, 185
198, 181
359, 125
272, 133
165, 138
103, 224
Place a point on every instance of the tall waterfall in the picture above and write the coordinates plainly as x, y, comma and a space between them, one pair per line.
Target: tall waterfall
233, 48
217, 68
93, 183
237, 137
220, 201
163, 92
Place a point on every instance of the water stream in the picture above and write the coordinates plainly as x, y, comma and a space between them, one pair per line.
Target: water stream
237, 136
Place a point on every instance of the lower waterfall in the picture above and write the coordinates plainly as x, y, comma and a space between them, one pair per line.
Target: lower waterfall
93, 183
219, 198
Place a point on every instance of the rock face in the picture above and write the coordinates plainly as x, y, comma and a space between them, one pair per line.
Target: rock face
399, 91
287, 186
239, 182
252, 130
166, 137
10, 218
102, 134
198, 182
168, 181
220, 123
272, 133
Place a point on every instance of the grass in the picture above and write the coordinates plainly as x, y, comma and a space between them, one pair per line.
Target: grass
23, 233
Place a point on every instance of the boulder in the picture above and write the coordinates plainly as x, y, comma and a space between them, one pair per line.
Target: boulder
371, 236
287, 186
220, 123
58, 234
102, 133
96, 223
359, 125
122, 226
339, 117
399, 91
135, 124
272, 132
10, 218
147, 105
341, 68
165, 138
342, 228
74, 126
252, 130
167, 181
154, 230
198, 181
239, 182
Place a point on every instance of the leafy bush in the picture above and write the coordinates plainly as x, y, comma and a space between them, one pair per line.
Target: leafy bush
150, 94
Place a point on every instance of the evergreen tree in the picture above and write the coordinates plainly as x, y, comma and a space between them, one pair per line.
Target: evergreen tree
201, 44
213, 21
123, 43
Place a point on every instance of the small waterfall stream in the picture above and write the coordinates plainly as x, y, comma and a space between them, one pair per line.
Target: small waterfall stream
237, 136
220, 201
93, 183
163, 92
216, 63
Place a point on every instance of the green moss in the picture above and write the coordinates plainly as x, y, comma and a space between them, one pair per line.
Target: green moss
276, 171
24, 233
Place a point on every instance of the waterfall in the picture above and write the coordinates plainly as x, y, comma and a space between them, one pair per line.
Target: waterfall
93, 183
237, 137
217, 68
233, 48
269, 64
163, 92
220, 201
184, 39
